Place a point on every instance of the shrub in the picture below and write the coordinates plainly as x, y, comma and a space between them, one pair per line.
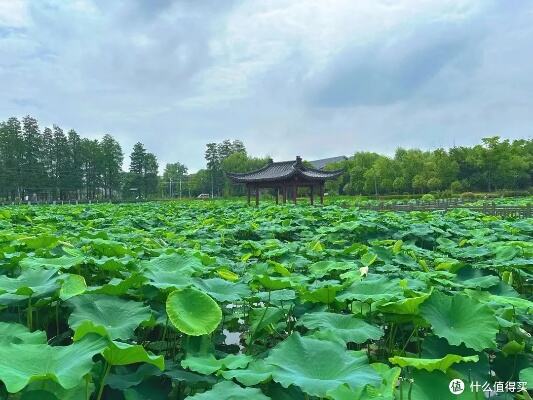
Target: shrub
428, 197
468, 195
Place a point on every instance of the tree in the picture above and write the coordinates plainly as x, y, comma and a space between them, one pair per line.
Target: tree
74, 174
137, 168
173, 177
239, 162
92, 167
143, 171
32, 169
11, 155
150, 178
112, 159
48, 160
213, 163
61, 162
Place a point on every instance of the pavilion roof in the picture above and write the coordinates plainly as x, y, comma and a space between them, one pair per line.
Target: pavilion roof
283, 170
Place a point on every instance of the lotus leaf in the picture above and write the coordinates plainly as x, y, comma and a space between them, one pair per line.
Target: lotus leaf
22, 363
193, 312
458, 318
347, 327
228, 390
318, 366
117, 317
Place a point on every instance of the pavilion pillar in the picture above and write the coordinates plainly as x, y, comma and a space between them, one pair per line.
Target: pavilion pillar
311, 194
284, 194
256, 195
248, 190
322, 193
294, 193
277, 195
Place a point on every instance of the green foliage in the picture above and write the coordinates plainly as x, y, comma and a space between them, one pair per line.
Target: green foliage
493, 165
193, 312
51, 165
220, 300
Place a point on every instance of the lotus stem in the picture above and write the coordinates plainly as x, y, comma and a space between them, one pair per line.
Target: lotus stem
29, 316
102, 383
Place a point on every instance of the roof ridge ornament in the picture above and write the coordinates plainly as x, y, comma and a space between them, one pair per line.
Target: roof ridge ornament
298, 160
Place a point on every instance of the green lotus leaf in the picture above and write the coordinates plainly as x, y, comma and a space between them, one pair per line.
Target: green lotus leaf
73, 285
526, 375
435, 347
458, 319
516, 302
257, 372
347, 327
431, 364
408, 306
276, 296
178, 374
30, 282
79, 392
513, 347
183, 264
223, 290
118, 353
122, 379
193, 312
230, 391
18, 334
431, 386
374, 288
275, 283
119, 317
152, 388
385, 391
38, 395
321, 292
40, 242
208, 364
368, 259
59, 263
318, 366
22, 363
261, 318
322, 268
168, 279
118, 287
109, 248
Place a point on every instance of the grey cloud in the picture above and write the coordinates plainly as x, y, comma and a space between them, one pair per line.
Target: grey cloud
393, 69
132, 69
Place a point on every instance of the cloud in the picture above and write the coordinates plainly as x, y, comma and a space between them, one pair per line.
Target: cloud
286, 76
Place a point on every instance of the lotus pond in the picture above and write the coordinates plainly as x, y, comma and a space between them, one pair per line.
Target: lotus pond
217, 300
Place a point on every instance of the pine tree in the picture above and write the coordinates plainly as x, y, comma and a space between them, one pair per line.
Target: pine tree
61, 162
74, 181
112, 158
32, 168
48, 160
137, 168
11, 155
150, 170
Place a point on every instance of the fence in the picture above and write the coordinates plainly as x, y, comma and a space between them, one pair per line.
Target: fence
488, 208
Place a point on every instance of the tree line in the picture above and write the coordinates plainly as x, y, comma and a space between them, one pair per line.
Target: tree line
492, 165
50, 164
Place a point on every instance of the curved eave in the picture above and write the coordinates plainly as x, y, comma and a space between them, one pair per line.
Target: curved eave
320, 175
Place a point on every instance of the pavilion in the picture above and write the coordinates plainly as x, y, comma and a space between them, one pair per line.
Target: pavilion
285, 177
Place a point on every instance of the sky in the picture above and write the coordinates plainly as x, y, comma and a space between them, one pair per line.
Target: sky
316, 78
